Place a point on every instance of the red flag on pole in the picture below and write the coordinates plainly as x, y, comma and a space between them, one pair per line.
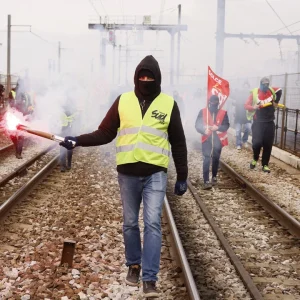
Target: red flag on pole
218, 86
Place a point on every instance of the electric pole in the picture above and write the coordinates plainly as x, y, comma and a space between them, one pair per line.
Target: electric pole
178, 43
8, 80
119, 75
221, 35
172, 29
59, 54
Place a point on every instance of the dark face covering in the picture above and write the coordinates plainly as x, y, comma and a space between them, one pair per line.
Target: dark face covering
264, 87
147, 88
213, 107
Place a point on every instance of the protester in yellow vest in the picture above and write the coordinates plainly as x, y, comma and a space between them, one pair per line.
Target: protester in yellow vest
260, 107
147, 124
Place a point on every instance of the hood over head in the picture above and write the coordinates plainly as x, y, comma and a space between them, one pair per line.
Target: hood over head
147, 90
213, 103
264, 84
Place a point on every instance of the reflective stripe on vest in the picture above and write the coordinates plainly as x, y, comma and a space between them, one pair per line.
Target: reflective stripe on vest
256, 100
144, 139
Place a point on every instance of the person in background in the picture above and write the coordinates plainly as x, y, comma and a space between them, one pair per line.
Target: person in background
20, 101
65, 155
180, 104
242, 124
148, 127
2, 91
213, 124
260, 107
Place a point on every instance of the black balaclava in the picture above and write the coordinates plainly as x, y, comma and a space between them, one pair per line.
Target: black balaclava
213, 104
147, 90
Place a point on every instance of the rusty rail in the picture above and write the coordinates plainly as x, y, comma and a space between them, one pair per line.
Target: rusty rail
279, 214
27, 188
24, 166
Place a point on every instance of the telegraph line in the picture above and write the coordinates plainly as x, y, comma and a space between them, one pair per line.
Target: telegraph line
278, 16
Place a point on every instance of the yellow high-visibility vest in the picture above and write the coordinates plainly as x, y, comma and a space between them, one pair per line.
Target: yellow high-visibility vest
254, 92
13, 94
65, 120
144, 139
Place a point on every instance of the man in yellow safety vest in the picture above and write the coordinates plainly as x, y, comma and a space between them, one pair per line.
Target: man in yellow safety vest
147, 124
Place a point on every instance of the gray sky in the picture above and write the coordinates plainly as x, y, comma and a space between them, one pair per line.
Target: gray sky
67, 21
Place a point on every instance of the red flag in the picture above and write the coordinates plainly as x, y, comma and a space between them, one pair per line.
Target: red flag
218, 86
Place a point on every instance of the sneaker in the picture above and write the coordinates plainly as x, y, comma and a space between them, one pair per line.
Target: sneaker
253, 164
150, 290
19, 156
266, 169
239, 148
133, 275
63, 169
214, 181
68, 168
207, 185
245, 145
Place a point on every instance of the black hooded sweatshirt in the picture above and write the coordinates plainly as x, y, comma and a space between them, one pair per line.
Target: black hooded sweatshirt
108, 128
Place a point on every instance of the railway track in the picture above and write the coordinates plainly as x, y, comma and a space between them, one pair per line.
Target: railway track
5, 148
265, 254
50, 210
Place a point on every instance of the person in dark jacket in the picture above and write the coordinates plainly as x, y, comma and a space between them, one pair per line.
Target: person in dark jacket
149, 128
260, 106
242, 124
65, 155
213, 124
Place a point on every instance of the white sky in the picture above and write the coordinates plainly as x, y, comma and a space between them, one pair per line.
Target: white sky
67, 21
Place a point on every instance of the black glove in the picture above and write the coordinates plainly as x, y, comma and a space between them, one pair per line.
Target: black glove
69, 142
180, 188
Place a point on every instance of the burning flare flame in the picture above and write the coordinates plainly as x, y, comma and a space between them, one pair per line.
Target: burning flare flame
11, 121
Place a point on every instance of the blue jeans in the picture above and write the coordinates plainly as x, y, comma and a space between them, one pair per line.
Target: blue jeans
238, 130
152, 190
211, 152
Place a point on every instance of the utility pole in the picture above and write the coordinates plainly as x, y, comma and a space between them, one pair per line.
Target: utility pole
8, 82
172, 29
126, 62
114, 57
172, 59
221, 35
119, 75
178, 43
59, 55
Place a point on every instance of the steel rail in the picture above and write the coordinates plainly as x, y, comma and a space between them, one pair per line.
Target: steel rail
187, 274
279, 214
24, 166
27, 188
3, 149
245, 276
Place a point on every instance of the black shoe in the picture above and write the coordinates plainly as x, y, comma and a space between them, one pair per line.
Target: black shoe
214, 181
68, 168
133, 275
63, 169
207, 185
150, 290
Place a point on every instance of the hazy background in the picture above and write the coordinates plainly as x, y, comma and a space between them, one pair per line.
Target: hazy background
87, 85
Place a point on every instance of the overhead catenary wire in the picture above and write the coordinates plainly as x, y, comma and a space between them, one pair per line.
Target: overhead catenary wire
279, 17
94, 7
